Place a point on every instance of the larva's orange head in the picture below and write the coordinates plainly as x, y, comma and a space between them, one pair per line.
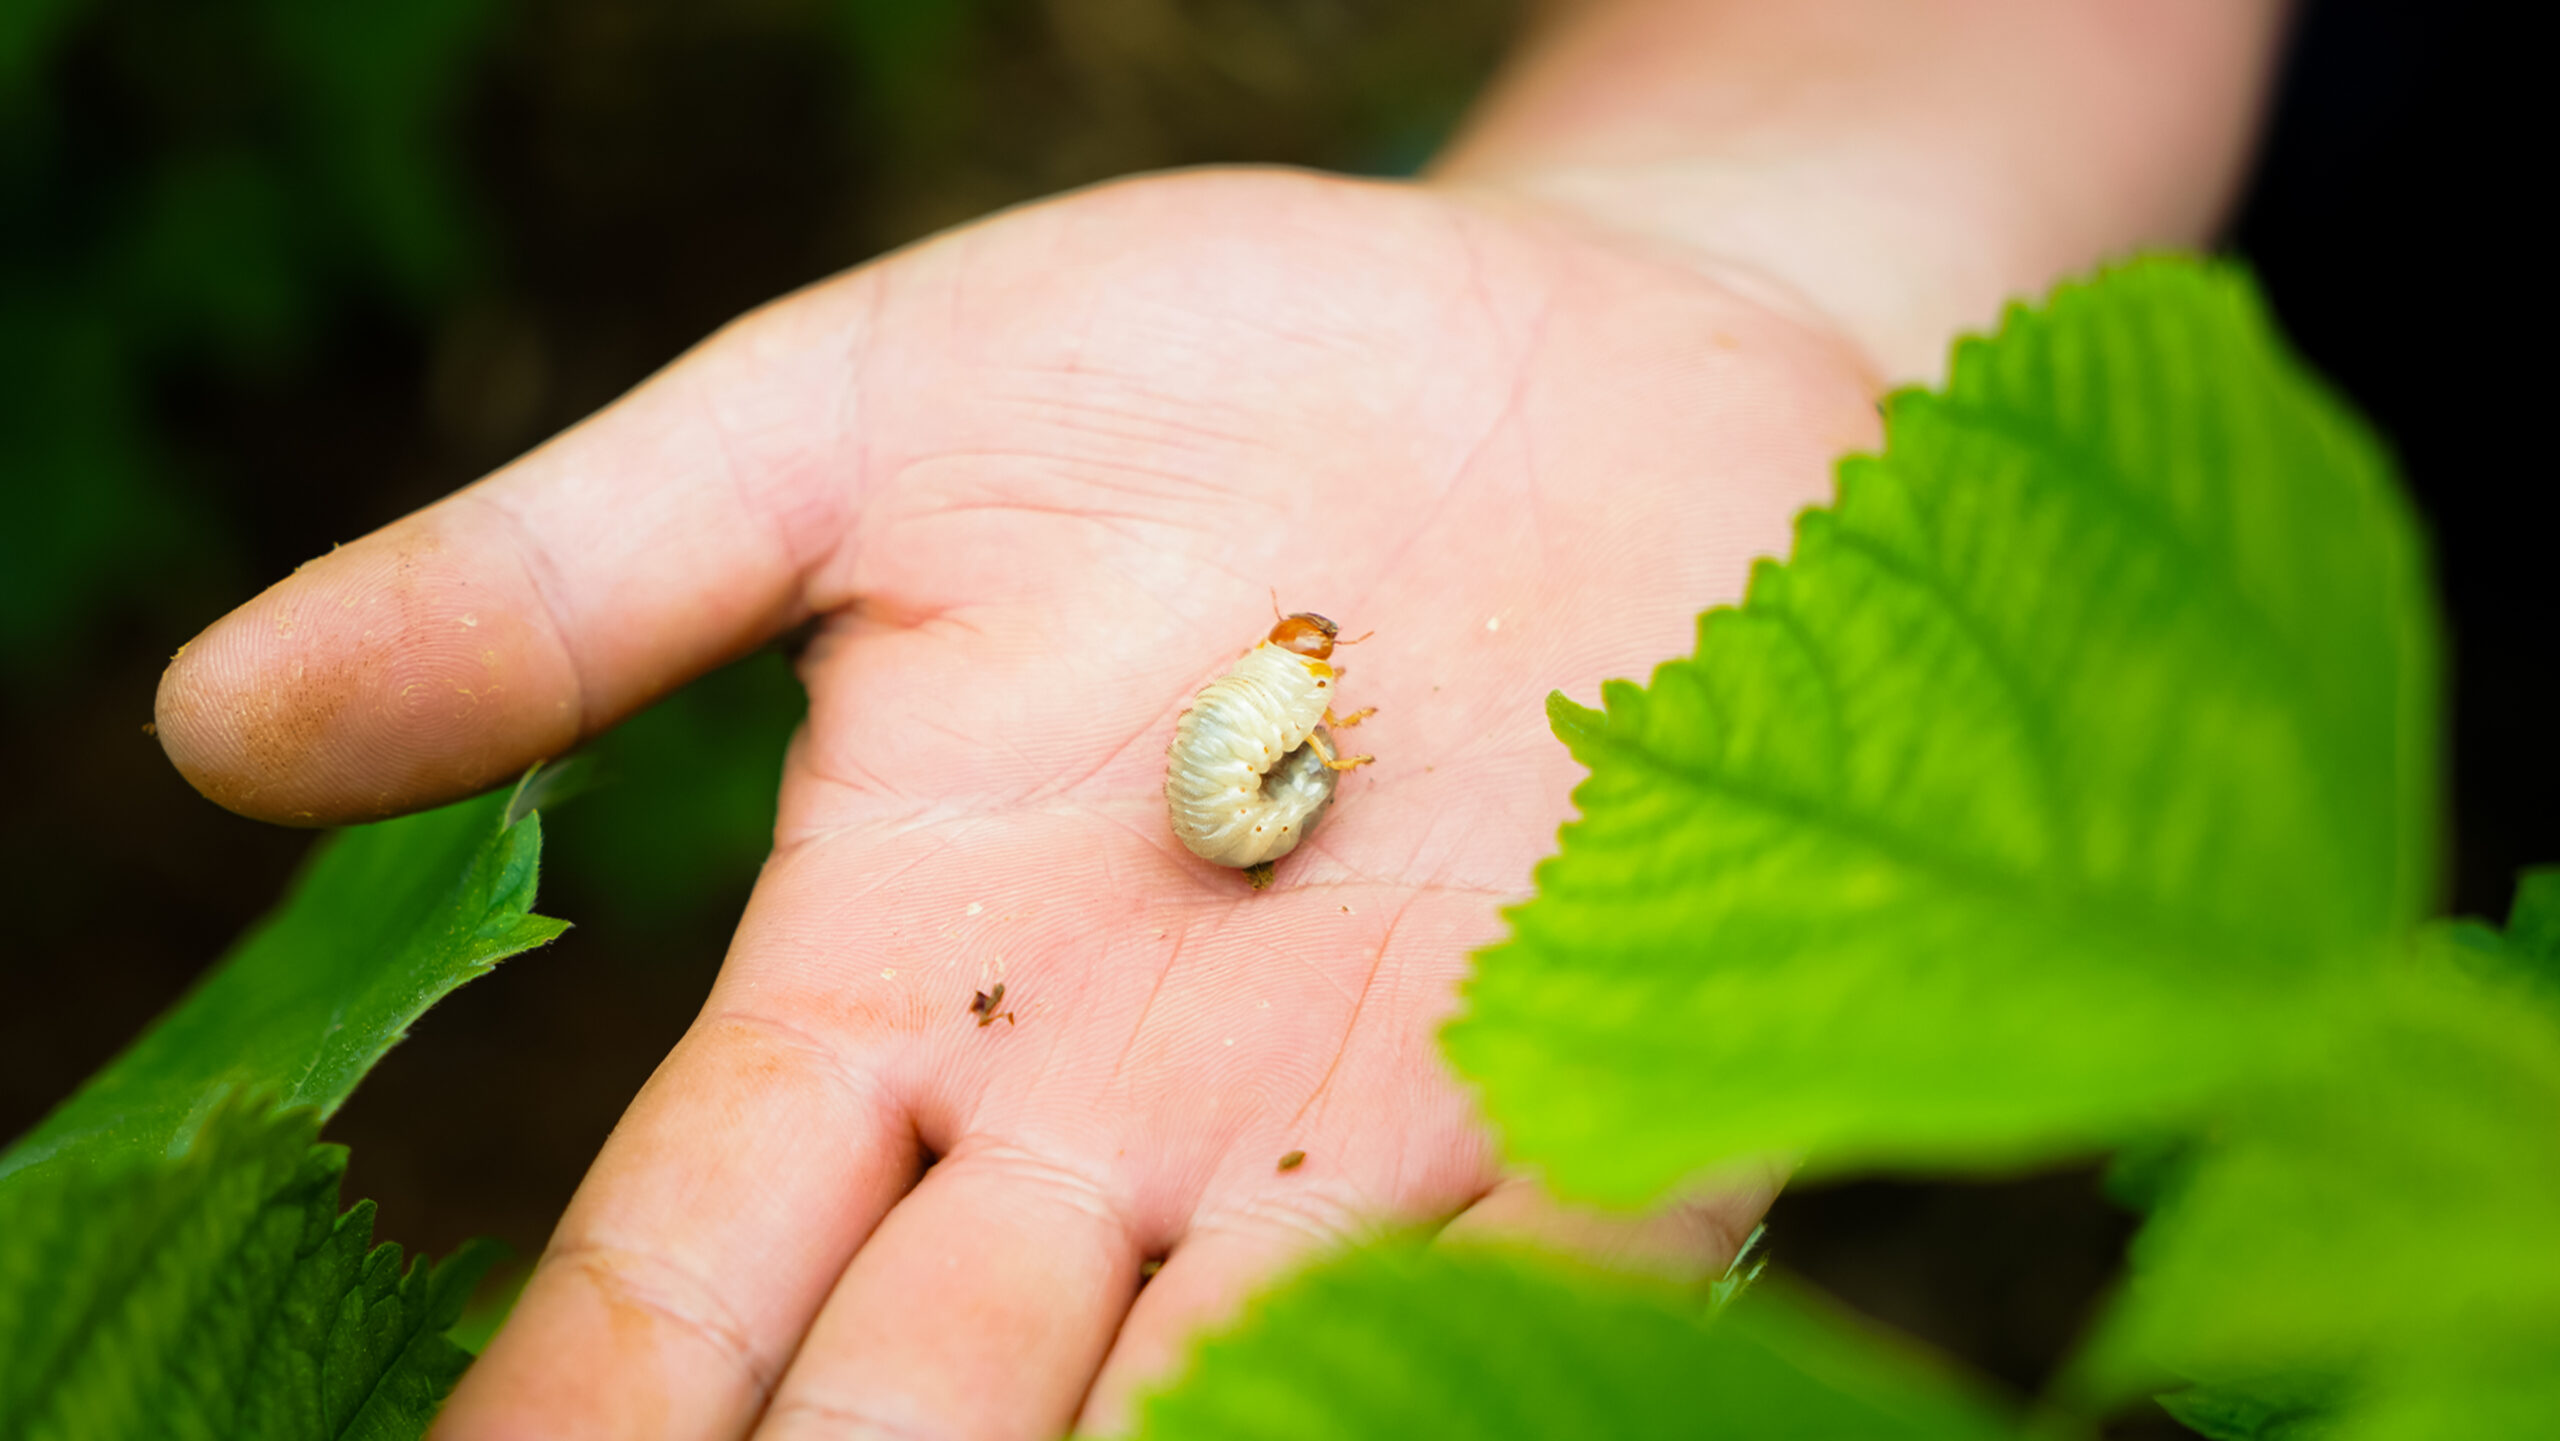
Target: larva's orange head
1307, 633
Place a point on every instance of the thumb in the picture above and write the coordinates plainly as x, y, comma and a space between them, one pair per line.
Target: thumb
677, 528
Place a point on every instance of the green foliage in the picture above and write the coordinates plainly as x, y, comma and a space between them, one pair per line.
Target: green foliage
2529, 948
172, 1259
85, 508
386, 921
2281, 1407
28, 30
2391, 1213
217, 1293
681, 813
2071, 788
261, 167
369, 89
2077, 759
2533, 926
489, 1307
908, 58
1477, 1345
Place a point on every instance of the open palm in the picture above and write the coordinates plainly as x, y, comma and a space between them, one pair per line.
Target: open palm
1038, 481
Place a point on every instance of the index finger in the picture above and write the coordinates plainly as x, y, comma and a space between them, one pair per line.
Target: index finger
674, 530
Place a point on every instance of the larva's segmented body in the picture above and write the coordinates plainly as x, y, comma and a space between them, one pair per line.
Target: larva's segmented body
1252, 767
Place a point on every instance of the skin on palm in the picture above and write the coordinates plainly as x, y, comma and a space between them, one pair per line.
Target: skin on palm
1035, 479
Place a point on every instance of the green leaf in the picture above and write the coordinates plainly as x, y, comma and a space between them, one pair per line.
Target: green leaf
217, 1294
488, 1309
2076, 753
2392, 1215
383, 923
2533, 923
1579, 726
2527, 950
1479, 1345
172, 1258
681, 813
2290, 1407
2465, 1386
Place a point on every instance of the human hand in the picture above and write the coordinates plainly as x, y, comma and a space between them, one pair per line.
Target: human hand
1036, 481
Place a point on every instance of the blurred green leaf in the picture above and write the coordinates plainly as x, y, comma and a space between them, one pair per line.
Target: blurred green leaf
29, 29
2291, 1407
172, 1258
2527, 949
2533, 923
1480, 1345
488, 1308
2464, 1385
212, 260
383, 923
374, 89
2391, 1213
88, 513
907, 54
217, 1293
680, 816
2076, 755
235, 178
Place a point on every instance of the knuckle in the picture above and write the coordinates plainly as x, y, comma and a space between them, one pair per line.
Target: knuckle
1039, 1178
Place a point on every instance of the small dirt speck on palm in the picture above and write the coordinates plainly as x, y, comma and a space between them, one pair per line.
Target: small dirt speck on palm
1293, 1160
983, 1006
1259, 876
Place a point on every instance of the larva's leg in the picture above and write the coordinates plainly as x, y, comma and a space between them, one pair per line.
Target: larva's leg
1345, 722
1324, 752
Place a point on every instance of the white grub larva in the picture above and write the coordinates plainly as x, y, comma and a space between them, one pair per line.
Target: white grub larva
1252, 768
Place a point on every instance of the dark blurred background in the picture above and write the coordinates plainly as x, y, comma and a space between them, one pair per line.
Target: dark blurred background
277, 272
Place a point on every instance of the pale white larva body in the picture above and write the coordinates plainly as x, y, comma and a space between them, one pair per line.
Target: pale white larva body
1251, 769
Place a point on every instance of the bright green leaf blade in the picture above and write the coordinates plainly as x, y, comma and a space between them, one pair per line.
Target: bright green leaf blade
216, 1294
1474, 1345
2393, 1215
172, 1260
2036, 797
382, 924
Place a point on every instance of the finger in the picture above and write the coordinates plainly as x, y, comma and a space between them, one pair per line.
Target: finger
442, 654
980, 1309
1203, 1286
696, 1251
704, 1239
1692, 1240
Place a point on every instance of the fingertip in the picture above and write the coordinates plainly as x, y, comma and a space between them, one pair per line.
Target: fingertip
407, 669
